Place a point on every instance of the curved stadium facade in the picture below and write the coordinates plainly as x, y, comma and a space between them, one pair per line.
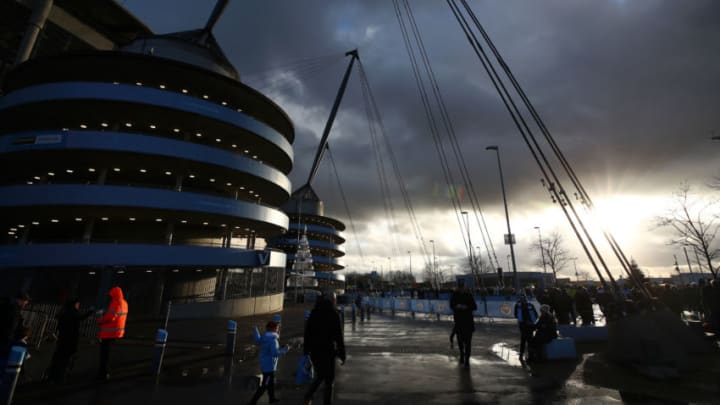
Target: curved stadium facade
324, 234
154, 168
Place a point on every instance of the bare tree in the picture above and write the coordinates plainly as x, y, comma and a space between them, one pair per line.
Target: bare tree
436, 277
556, 257
694, 227
402, 279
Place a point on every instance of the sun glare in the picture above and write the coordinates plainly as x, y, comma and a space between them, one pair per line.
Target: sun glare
629, 216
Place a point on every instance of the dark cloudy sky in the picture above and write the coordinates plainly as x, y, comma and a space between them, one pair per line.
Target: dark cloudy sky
630, 90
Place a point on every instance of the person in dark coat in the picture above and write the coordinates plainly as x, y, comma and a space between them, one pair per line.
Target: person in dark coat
584, 306
68, 330
563, 307
526, 316
463, 305
545, 331
324, 342
714, 301
11, 320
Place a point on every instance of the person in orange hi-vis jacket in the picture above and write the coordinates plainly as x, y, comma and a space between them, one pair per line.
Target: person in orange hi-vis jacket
112, 327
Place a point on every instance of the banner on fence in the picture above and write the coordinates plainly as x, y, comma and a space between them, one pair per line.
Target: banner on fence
491, 308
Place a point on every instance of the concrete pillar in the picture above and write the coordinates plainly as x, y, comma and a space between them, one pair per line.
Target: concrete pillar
228, 239
90, 224
41, 11
178, 182
104, 284
158, 292
169, 233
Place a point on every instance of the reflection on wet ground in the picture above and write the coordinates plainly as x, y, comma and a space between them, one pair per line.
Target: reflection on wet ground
397, 359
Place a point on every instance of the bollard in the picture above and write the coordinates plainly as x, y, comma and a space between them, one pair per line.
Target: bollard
16, 357
231, 332
159, 353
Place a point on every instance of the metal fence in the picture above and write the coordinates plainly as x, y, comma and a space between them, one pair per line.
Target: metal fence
41, 319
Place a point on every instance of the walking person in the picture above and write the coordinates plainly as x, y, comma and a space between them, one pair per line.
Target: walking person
526, 316
112, 327
324, 342
68, 330
584, 306
463, 305
270, 351
11, 320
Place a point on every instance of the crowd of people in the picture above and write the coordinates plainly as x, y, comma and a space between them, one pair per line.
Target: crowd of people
701, 299
111, 325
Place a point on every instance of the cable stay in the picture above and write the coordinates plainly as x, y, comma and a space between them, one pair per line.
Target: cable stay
517, 118
345, 203
373, 114
436, 134
550, 178
459, 158
286, 75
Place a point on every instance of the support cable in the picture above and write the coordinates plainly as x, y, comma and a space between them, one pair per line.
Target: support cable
380, 167
428, 112
527, 137
447, 122
345, 203
584, 196
396, 168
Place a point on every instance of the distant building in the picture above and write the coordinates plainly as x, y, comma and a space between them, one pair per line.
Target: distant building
537, 279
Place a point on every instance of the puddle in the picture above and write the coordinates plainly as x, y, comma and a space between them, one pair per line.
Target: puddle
507, 353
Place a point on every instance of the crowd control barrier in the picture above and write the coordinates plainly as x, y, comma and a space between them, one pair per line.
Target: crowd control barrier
492, 307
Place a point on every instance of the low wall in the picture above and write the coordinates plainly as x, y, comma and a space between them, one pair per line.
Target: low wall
493, 307
229, 308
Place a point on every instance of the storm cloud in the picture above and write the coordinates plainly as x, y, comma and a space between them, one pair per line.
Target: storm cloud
629, 89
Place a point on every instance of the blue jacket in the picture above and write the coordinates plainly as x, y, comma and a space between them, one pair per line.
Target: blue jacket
529, 317
269, 352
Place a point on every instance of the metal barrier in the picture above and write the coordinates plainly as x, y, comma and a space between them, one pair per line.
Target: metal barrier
495, 307
41, 319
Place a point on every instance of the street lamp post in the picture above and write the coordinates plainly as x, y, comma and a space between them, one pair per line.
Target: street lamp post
577, 276
509, 240
470, 249
432, 262
542, 254
410, 262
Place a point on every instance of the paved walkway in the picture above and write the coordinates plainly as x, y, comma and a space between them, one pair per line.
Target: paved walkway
391, 361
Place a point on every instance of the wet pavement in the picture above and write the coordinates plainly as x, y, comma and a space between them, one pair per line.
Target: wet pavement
401, 360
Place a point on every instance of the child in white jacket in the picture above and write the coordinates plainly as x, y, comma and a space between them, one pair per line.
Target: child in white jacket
270, 351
